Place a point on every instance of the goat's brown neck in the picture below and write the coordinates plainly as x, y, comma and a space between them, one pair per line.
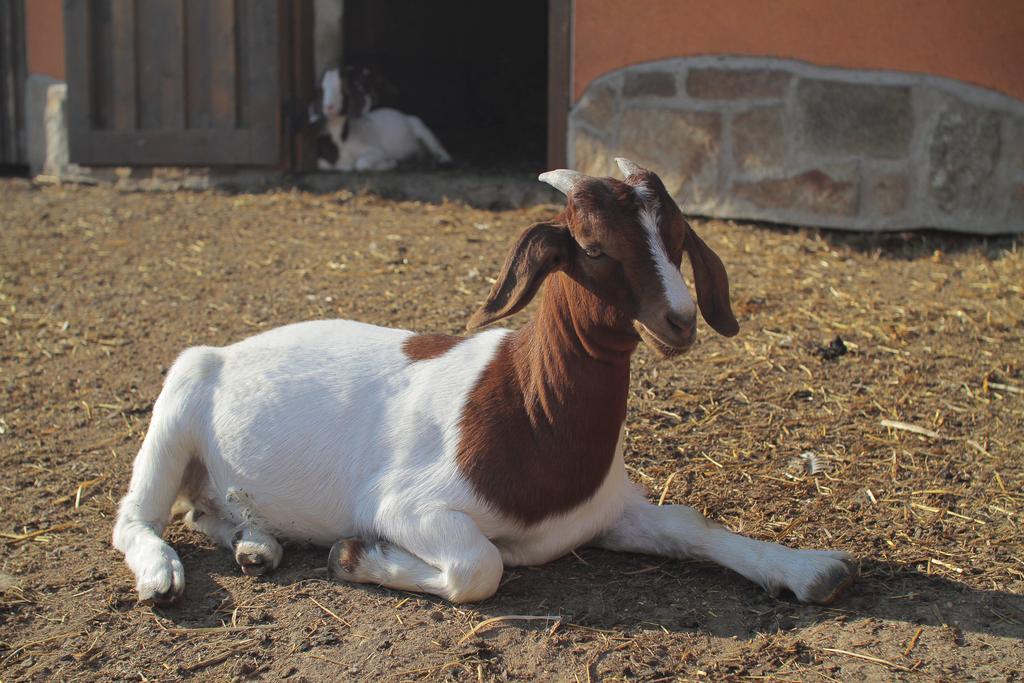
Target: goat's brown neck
540, 429
568, 359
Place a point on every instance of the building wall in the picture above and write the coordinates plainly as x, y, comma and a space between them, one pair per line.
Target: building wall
976, 41
859, 114
44, 29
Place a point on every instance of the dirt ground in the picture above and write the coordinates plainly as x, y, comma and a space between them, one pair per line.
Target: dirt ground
100, 289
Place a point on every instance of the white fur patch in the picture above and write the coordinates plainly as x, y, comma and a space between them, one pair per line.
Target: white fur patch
332, 96
678, 295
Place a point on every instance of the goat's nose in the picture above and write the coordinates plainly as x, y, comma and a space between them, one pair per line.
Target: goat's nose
681, 324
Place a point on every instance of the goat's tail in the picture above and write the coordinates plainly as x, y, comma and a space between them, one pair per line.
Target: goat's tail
429, 140
157, 474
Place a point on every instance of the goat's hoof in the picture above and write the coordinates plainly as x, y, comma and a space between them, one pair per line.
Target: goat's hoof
162, 598
257, 556
343, 561
835, 573
163, 582
251, 565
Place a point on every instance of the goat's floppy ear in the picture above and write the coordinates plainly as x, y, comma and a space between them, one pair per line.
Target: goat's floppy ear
712, 284
540, 250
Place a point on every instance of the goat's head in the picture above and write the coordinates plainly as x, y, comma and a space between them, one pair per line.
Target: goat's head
332, 99
345, 93
623, 241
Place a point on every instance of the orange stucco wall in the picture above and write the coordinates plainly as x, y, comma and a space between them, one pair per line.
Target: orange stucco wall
977, 41
44, 38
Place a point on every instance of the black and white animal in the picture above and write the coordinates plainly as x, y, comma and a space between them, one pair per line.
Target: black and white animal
431, 462
358, 137
349, 92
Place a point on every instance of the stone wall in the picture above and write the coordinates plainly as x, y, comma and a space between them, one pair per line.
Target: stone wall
784, 141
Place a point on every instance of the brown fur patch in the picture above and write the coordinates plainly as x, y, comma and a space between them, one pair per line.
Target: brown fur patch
539, 430
351, 554
427, 346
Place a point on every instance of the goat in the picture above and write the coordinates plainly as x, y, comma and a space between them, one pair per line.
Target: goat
349, 92
358, 137
431, 462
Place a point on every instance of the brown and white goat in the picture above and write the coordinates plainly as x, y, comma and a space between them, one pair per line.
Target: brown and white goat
439, 460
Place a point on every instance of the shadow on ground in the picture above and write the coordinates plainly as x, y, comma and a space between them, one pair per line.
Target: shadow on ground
627, 593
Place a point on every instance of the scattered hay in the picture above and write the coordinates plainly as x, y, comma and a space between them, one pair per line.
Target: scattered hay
904, 451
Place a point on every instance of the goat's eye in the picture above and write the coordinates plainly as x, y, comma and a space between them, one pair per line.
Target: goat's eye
593, 252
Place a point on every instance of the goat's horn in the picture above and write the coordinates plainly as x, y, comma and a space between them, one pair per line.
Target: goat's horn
563, 179
628, 167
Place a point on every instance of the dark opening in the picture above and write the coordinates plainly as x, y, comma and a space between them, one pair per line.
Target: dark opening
13, 171
475, 72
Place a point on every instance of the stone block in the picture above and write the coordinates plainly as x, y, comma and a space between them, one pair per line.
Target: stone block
887, 195
734, 84
1017, 208
758, 139
36, 87
963, 152
649, 84
56, 162
597, 107
854, 119
591, 155
832, 193
1015, 146
684, 144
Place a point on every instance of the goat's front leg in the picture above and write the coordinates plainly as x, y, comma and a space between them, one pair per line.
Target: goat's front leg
444, 554
817, 576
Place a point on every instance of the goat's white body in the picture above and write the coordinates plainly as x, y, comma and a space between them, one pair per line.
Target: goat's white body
328, 427
329, 430
379, 140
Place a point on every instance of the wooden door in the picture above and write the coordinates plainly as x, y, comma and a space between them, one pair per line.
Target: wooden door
175, 82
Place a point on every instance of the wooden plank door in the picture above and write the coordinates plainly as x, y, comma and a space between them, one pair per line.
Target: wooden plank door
174, 82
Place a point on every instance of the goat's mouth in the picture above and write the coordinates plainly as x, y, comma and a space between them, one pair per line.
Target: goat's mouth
659, 345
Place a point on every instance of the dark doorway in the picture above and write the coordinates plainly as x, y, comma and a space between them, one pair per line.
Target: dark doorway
475, 72
13, 155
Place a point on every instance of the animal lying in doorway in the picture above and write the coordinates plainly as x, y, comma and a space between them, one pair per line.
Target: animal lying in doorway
357, 136
430, 462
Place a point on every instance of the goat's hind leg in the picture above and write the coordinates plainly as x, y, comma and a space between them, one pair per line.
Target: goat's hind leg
429, 140
375, 160
256, 551
816, 576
